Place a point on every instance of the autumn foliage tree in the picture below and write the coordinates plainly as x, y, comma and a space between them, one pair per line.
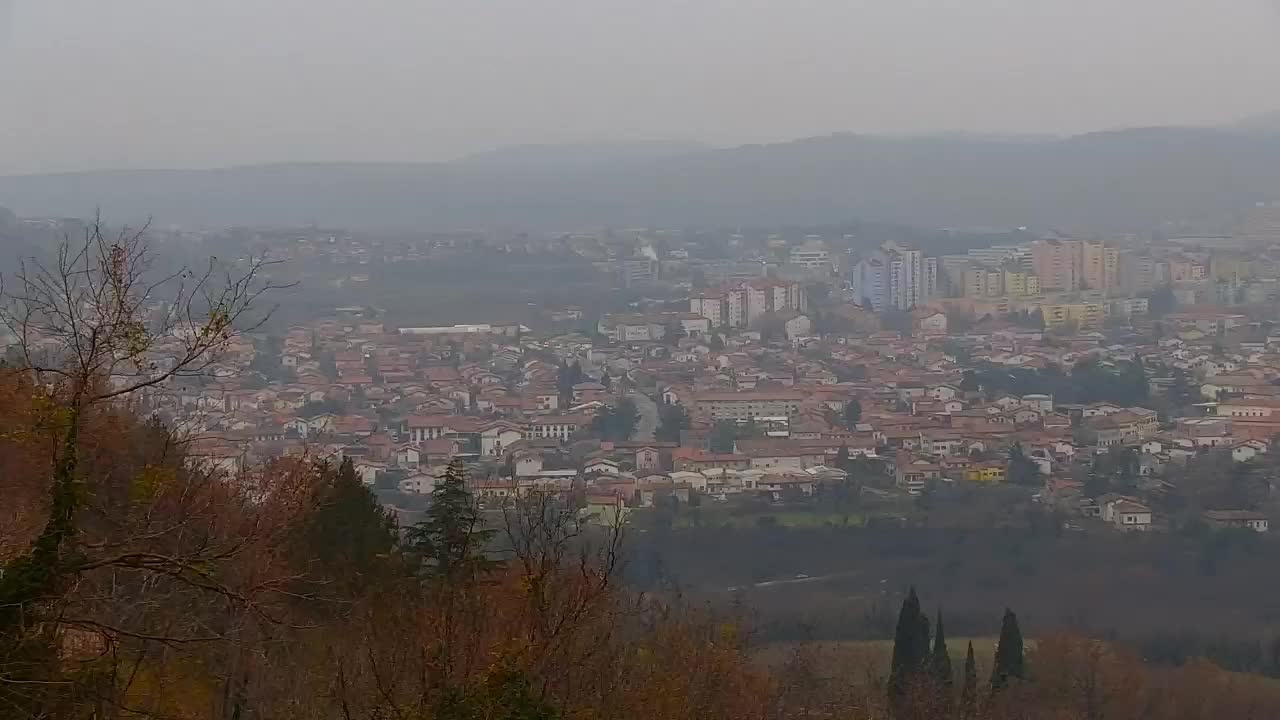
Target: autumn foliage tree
116, 514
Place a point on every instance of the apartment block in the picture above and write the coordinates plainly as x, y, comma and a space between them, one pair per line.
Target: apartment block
1059, 263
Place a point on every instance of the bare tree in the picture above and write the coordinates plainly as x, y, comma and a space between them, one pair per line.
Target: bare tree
96, 323
131, 528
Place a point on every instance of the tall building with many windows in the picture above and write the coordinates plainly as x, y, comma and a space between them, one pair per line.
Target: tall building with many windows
906, 279
739, 305
895, 277
1059, 263
1001, 256
1136, 271
870, 283
1100, 265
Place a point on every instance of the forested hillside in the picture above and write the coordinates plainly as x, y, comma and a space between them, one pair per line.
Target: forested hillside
1122, 181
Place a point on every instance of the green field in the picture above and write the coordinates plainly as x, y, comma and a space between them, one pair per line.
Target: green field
715, 517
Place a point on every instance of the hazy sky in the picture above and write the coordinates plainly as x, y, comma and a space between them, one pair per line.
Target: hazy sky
181, 83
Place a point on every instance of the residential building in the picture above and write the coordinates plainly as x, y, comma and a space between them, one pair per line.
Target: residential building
812, 255
1058, 262
745, 405
1223, 519
1020, 283
895, 276
741, 304
1129, 307
1099, 265
906, 279
1136, 272
1127, 514
1004, 256
711, 305
639, 271
560, 427
930, 279
1252, 408
1085, 316
652, 327
869, 282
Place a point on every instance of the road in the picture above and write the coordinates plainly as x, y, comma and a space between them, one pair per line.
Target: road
648, 411
799, 579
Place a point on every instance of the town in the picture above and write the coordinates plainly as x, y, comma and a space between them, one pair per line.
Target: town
1113, 385
584, 360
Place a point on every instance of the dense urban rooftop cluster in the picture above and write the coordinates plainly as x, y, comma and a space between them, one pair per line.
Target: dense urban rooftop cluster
1085, 371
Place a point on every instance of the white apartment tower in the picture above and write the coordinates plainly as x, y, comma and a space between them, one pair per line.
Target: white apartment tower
906, 279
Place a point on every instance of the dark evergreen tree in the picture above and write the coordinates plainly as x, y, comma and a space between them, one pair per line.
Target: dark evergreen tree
910, 650
673, 333
852, 413
564, 381
940, 660
717, 343
347, 532
606, 381
969, 691
1135, 388
1181, 394
672, 420
1010, 660
616, 424
451, 541
1021, 469
842, 458
724, 434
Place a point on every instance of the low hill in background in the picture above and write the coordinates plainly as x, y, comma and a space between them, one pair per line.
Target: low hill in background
1129, 180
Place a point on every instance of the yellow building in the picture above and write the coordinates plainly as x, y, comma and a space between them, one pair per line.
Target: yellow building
1059, 263
1015, 283
995, 283
981, 282
1085, 316
1021, 284
1225, 267
986, 473
1093, 264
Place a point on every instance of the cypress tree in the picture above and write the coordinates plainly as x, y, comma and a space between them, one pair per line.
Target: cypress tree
852, 413
1010, 661
910, 648
922, 643
842, 458
969, 691
940, 660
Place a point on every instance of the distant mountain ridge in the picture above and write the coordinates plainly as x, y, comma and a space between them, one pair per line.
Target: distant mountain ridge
1126, 180
578, 156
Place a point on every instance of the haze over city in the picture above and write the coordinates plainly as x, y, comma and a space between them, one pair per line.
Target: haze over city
180, 84
665, 360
